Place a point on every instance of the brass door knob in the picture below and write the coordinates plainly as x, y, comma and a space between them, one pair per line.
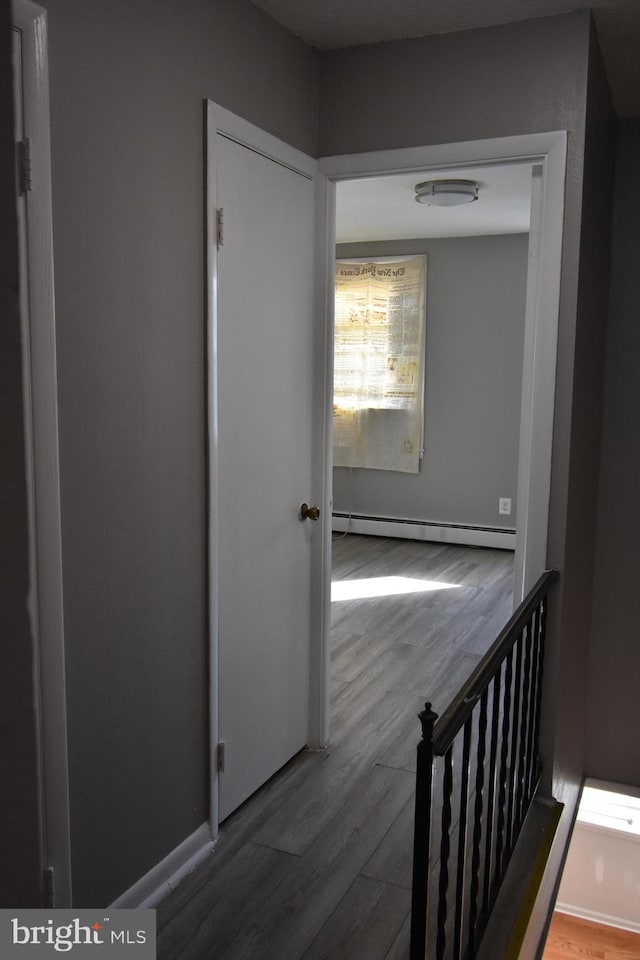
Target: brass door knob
309, 513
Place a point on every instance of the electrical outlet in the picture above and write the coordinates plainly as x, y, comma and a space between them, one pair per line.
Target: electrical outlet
504, 505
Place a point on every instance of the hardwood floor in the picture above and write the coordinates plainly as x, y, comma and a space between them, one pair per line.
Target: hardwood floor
570, 938
317, 864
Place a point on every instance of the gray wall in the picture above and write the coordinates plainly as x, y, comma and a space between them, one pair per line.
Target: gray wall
476, 289
568, 660
614, 664
500, 81
127, 83
20, 876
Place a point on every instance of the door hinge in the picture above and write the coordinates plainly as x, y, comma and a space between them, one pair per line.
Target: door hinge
222, 756
26, 165
49, 888
220, 227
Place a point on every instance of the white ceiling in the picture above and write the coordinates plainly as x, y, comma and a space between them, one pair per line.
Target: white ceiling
384, 208
331, 24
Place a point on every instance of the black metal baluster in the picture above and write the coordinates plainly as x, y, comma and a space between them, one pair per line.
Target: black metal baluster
421, 836
445, 847
477, 824
530, 788
462, 839
540, 671
522, 795
504, 773
513, 772
493, 753
503, 791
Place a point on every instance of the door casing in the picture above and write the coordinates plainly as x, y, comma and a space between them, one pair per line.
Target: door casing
546, 152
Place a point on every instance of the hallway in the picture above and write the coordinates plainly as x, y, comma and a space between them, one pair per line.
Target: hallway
317, 863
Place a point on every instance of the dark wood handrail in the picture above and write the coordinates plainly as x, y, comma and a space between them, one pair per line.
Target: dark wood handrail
455, 716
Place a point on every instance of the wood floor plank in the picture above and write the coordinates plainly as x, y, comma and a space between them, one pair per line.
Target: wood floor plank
336, 687
386, 672
297, 909
304, 815
399, 949
237, 830
444, 619
481, 634
386, 617
401, 751
392, 860
225, 904
354, 652
321, 855
359, 555
365, 924
491, 565
571, 938
440, 684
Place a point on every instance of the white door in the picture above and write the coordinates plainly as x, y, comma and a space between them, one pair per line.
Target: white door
262, 455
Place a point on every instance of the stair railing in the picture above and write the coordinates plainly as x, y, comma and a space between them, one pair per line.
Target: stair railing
477, 773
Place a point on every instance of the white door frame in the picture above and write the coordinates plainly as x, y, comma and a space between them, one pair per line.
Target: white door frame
219, 121
43, 475
548, 152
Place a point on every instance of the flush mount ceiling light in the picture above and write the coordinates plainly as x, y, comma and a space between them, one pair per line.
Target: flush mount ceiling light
446, 193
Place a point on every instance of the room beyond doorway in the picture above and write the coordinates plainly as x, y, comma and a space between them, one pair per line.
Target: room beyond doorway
431, 612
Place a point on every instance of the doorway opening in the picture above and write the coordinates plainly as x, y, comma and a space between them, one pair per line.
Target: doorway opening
543, 158
442, 483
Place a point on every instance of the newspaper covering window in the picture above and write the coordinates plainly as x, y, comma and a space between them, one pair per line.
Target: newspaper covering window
379, 352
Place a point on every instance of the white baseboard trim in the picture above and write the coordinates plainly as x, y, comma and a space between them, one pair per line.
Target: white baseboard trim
166, 875
425, 530
583, 913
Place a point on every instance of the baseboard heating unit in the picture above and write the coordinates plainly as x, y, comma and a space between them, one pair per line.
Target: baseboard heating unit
473, 536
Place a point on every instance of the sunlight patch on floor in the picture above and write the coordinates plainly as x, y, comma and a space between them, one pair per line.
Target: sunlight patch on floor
384, 587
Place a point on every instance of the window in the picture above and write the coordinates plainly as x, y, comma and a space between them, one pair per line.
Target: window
379, 363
